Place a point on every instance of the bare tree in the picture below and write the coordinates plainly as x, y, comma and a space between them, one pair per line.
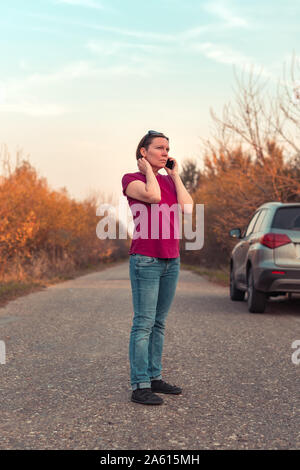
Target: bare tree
287, 122
6, 160
246, 123
267, 127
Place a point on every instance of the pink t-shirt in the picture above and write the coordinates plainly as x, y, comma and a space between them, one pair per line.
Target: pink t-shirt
156, 231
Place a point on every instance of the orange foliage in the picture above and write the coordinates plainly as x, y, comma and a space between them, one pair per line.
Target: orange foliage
34, 219
232, 186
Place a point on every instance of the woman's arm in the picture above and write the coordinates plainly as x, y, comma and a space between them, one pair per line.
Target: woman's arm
149, 191
152, 185
183, 196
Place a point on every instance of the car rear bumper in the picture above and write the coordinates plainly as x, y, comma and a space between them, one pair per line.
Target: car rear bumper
267, 281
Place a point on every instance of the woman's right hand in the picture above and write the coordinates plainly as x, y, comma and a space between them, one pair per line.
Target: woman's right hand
143, 165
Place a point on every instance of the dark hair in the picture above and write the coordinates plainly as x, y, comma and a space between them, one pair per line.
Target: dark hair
146, 141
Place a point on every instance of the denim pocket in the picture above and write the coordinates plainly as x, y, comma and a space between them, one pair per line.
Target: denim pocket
143, 260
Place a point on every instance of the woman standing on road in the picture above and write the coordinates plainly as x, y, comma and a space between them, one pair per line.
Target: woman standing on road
154, 263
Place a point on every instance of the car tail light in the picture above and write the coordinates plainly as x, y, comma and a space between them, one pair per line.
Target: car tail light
274, 240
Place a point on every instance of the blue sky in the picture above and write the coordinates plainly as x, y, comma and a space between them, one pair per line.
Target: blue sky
83, 80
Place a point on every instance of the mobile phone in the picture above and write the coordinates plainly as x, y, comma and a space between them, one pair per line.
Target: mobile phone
170, 164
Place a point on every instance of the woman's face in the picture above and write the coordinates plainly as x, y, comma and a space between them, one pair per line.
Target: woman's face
157, 153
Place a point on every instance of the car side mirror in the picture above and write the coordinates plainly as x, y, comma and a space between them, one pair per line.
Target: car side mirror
235, 233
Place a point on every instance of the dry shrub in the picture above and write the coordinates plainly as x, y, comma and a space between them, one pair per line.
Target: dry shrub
45, 232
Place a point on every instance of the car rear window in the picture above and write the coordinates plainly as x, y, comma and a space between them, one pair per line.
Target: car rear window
287, 218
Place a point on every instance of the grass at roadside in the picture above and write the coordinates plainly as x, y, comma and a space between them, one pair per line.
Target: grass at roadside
13, 289
219, 276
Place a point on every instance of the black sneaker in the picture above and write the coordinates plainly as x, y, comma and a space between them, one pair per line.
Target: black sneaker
145, 397
159, 386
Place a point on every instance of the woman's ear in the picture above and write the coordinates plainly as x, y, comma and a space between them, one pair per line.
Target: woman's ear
143, 151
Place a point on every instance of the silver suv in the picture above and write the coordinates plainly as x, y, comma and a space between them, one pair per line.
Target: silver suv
266, 260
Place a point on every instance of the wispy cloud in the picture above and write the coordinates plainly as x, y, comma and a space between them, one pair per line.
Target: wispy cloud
111, 48
193, 33
13, 102
89, 4
222, 54
144, 35
72, 71
226, 55
29, 107
83, 3
82, 69
175, 38
222, 10
140, 58
14, 92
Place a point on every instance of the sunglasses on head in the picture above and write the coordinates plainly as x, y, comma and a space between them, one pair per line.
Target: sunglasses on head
155, 133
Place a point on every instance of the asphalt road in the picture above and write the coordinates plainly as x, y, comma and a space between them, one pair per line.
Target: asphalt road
65, 383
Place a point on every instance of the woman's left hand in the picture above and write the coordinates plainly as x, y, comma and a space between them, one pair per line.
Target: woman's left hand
174, 170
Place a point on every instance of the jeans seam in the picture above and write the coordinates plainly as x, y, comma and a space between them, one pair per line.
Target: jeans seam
134, 348
152, 348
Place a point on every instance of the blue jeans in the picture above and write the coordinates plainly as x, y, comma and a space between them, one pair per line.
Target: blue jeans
153, 284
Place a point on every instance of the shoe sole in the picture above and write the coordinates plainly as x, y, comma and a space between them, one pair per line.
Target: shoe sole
167, 393
143, 403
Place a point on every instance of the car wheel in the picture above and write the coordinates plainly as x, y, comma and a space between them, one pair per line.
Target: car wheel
235, 294
256, 299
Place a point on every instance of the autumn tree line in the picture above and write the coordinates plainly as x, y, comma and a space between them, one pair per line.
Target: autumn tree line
252, 158
45, 232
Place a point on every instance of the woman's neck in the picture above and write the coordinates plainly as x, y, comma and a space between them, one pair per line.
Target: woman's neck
155, 171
